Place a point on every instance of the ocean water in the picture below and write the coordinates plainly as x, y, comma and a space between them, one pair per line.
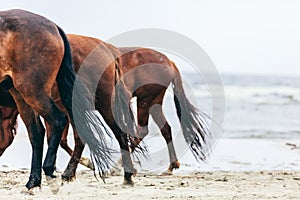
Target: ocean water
256, 106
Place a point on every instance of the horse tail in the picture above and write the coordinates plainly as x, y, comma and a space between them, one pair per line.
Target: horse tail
125, 117
79, 103
122, 111
193, 126
122, 103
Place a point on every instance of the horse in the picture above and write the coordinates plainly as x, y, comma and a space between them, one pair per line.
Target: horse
152, 94
87, 53
81, 48
8, 117
149, 74
34, 55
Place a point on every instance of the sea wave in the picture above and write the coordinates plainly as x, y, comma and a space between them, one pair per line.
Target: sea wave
264, 95
261, 134
259, 95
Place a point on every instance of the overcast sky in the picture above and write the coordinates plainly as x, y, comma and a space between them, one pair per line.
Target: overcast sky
240, 36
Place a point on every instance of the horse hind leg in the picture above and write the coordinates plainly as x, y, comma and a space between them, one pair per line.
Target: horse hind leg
122, 139
142, 119
70, 172
160, 119
56, 119
63, 142
78, 149
36, 134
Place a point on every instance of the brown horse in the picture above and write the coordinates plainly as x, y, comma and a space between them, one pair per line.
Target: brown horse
90, 54
147, 74
8, 117
34, 54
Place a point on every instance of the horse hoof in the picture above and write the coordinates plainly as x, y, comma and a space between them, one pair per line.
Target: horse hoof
87, 163
128, 183
53, 183
68, 178
174, 165
33, 182
31, 191
167, 173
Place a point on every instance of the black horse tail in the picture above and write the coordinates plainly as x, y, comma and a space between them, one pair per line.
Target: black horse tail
80, 105
194, 127
124, 119
123, 112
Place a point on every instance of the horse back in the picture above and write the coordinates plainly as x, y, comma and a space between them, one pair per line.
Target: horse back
145, 68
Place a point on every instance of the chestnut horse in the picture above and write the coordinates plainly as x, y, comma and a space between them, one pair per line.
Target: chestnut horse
34, 54
87, 53
149, 74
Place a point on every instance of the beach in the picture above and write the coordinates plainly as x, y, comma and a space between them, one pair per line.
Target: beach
233, 113
237, 169
201, 185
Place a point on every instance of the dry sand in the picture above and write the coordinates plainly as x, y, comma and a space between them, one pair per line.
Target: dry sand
202, 185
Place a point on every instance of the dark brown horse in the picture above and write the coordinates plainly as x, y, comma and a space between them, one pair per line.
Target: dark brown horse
91, 55
34, 54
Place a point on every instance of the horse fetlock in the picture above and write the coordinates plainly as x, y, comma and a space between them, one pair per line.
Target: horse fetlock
67, 176
129, 169
128, 179
174, 165
49, 170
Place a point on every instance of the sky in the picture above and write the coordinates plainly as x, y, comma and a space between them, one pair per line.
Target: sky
240, 36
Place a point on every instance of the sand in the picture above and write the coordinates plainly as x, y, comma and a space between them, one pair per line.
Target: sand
201, 185
238, 169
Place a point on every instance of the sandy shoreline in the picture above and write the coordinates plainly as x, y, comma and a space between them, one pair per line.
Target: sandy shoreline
201, 185
237, 169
